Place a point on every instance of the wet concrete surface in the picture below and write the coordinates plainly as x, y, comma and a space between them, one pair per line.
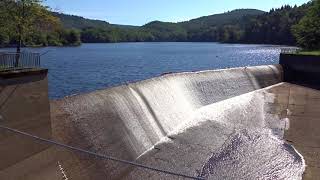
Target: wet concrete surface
301, 105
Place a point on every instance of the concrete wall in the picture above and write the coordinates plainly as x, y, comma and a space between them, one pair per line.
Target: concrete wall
128, 120
301, 69
24, 105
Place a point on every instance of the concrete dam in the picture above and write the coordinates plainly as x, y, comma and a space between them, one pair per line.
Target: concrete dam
240, 123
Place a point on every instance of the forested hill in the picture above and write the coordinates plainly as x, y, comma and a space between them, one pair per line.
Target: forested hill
194, 29
101, 31
221, 19
241, 26
78, 22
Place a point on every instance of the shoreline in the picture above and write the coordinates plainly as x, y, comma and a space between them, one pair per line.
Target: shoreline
155, 42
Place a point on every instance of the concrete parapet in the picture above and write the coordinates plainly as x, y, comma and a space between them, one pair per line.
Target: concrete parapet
24, 105
301, 69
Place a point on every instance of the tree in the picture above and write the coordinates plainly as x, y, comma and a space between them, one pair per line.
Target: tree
4, 38
73, 37
307, 31
4, 28
54, 39
24, 17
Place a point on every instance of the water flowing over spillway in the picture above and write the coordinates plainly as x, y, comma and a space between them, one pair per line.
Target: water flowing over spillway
203, 124
254, 155
232, 139
254, 148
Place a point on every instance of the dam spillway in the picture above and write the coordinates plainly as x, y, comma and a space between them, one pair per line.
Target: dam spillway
131, 120
220, 124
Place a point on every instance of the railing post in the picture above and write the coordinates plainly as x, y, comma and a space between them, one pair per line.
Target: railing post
16, 64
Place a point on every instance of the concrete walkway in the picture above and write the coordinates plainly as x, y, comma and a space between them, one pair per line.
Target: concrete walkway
303, 106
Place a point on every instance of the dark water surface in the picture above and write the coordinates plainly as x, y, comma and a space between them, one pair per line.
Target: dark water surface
74, 70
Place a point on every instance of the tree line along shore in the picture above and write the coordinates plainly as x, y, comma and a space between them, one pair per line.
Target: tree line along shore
29, 23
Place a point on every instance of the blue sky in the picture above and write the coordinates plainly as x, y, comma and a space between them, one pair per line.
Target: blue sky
139, 12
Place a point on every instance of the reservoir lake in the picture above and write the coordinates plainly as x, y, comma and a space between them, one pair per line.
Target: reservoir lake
89, 67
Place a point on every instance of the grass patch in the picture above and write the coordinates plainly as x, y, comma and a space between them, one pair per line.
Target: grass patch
313, 53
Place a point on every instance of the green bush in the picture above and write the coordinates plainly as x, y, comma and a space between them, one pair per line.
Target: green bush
307, 31
4, 39
53, 39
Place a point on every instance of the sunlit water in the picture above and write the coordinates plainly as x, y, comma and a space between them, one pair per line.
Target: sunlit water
74, 70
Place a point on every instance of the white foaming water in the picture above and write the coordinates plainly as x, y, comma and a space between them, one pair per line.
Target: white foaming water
254, 155
246, 142
255, 149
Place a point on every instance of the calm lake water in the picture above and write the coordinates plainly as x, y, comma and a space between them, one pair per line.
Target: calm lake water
74, 70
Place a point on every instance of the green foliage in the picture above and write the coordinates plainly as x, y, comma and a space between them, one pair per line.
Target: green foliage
4, 39
307, 31
24, 18
54, 39
312, 53
238, 26
162, 31
274, 27
201, 29
71, 37
96, 35
77, 22
36, 39
114, 34
227, 18
29, 23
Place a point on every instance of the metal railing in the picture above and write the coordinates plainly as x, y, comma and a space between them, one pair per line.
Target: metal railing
13, 61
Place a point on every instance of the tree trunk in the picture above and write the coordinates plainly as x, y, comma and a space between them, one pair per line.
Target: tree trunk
16, 64
20, 33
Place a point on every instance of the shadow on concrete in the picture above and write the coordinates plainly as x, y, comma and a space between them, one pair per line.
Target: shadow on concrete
22, 76
301, 70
